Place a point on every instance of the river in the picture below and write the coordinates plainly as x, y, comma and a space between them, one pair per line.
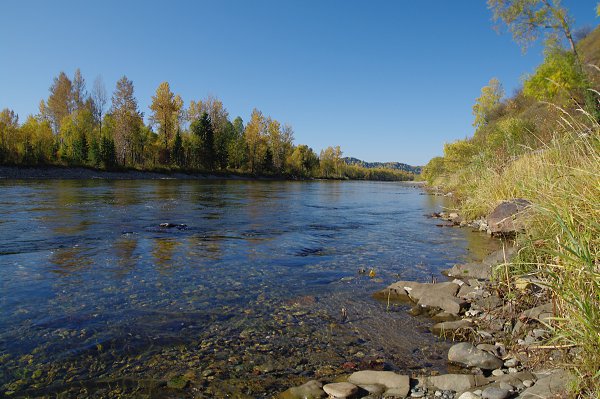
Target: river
241, 297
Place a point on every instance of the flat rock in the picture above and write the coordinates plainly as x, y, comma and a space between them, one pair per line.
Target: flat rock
340, 390
509, 216
310, 390
449, 327
469, 395
457, 382
552, 385
541, 313
481, 270
389, 379
495, 393
468, 355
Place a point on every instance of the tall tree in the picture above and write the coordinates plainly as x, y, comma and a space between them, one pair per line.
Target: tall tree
9, 124
79, 91
254, 135
99, 99
166, 113
528, 19
60, 101
127, 118
203, 131
487, 102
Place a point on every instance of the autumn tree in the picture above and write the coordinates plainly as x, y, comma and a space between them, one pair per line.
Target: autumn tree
487, 102
254, 135
9, 125
60, 101
219, 118
99, 99
330, 162
127, 118
80, 96
528, 19
166, 113
303, 161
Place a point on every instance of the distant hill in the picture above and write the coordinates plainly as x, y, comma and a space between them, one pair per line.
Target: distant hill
387, 165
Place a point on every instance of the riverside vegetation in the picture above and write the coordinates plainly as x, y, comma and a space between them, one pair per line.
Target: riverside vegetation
73, 129
543, 145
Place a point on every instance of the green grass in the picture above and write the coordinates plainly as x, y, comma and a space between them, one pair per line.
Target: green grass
562, 241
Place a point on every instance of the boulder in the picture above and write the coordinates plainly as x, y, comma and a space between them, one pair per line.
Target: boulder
340, 390
310, 390
457, 382
468, 355
553, 384
509, 217
389, 379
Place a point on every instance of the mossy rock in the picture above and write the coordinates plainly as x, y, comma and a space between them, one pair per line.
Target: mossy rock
179, 382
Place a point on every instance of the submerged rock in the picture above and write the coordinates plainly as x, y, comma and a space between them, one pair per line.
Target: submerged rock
392, 381
450, 327
457, 382
310, 390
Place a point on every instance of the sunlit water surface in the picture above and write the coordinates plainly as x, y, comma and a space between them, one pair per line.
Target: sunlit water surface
245, 300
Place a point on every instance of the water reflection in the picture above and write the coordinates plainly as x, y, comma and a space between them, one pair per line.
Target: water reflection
94, 267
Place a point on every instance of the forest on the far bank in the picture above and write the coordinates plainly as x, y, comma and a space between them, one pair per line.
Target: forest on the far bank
77, 128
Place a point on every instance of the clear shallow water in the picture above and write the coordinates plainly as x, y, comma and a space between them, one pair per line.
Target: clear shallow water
92, 289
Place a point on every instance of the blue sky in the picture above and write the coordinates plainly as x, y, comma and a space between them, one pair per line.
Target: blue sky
385, 80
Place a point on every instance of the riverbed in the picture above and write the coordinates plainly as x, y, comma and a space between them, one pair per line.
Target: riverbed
250, 287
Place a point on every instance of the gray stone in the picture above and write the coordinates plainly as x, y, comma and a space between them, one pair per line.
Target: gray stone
497, 372
395, 393
512, 362
495, 393
509, 216
449, 327
389, 379
437, 299
310, 390
457, 382
373, 389
481, 270
528, 383
506, 386
466, 354
444, 316
340, 390
552, 385
468, 395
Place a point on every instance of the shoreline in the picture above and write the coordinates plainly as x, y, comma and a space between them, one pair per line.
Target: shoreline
54, 172
499, 338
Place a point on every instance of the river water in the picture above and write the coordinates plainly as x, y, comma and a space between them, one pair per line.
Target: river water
96, 299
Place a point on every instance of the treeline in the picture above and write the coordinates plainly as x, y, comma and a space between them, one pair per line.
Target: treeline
77, 128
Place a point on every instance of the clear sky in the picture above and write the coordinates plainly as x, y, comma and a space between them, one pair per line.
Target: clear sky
385, 80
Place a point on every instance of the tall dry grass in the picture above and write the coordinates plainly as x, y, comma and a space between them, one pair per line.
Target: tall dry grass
562, 241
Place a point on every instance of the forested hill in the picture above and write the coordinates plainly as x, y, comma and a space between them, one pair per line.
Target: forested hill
384, 165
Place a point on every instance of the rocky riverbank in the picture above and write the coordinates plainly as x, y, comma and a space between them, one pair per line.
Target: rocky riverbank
503, 327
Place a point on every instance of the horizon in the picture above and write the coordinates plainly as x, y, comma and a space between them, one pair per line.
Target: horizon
340, 73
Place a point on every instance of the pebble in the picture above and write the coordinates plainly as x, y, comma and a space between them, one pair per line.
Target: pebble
512, 362
512, 370
417, 394
468, 395
498, 372
528, 383
478, 392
